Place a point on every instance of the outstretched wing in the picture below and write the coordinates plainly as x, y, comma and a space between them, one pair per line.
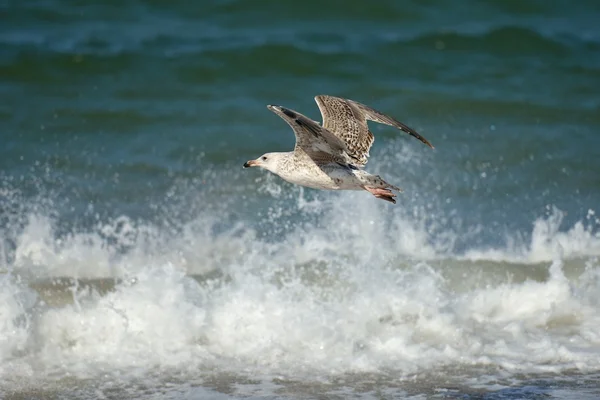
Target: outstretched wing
316, 141
347, 119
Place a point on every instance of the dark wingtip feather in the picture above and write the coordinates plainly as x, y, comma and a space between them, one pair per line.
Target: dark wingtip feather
414, 134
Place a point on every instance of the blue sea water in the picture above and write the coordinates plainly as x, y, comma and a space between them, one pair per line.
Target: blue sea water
138, 259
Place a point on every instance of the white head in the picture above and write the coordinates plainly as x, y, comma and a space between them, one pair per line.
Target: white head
268, 161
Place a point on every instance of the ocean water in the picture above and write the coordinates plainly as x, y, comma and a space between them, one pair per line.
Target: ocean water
139, 260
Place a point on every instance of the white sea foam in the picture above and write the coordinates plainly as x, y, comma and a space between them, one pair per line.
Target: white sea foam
155, 321
548, 241
371, 295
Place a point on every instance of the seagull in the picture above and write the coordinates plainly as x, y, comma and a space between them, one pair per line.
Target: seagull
331, 156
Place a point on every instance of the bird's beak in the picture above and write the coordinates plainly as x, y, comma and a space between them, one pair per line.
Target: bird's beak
251, 163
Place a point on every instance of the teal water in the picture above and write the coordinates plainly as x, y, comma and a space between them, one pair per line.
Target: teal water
139, 258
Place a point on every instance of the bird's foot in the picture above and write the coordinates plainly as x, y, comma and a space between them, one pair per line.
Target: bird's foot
381, 193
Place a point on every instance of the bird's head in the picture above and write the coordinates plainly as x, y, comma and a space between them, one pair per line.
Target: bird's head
268, 161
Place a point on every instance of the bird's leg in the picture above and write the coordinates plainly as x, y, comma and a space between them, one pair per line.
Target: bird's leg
381, 193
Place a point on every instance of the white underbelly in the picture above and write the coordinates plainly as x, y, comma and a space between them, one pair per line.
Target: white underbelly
328, 179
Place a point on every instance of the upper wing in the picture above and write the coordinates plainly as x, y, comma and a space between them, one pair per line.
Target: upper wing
347, 119
316, 141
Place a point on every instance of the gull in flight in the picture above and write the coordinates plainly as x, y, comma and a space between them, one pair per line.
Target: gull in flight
331, 156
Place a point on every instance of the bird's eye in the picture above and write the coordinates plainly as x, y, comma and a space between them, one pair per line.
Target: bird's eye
264, 158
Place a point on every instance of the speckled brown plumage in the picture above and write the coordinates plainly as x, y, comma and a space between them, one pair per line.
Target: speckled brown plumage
347, 119
312, 139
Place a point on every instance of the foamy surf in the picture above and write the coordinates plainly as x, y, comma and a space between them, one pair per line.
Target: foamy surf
380, 296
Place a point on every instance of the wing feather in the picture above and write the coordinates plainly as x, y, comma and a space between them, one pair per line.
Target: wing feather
347, 119
316, 141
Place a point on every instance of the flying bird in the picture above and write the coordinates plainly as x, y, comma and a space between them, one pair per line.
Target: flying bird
331, 156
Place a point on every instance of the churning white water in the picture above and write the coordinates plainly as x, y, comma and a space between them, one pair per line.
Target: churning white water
353, 289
